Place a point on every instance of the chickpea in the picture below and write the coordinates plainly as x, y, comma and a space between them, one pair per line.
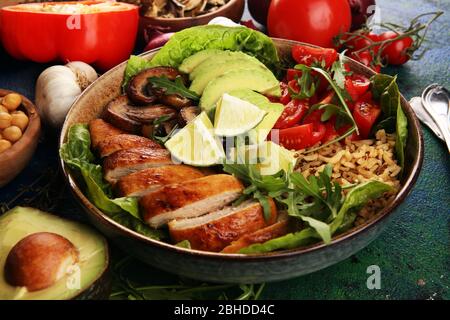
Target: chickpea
12, 134
4, 144
3, 108
19, 119
12, 101
5, 120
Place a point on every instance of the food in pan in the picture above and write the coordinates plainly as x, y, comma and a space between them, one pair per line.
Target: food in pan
296, 152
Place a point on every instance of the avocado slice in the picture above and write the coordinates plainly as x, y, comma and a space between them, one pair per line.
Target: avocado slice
221, 57
256, 80
193, 61
89, 278
200, 82
274, 111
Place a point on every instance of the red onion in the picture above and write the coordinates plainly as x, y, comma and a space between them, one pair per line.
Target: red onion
360, 12
156, 38
259, 10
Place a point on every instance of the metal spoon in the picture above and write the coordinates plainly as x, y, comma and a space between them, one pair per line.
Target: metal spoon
436, 101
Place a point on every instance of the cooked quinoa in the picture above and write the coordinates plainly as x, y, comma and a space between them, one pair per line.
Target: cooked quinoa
356, 162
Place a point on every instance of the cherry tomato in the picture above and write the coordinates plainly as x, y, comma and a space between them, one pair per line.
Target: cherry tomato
292, 74
285, 95
296, 138
366, 58
308, 55
357, 85
311, 21
365, 115
342, 130
313, 117
363, 40
319, 132
293, 85
330, 131
396, 52
292, 114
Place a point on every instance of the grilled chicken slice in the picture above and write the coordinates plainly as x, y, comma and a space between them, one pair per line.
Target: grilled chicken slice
143, 182
100, 130
216, 230
281, 228
125, 162
189, 199
124, 141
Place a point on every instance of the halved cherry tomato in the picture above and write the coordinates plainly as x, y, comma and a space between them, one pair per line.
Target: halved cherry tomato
319, 132
293, 85
365, 115
313, 117
357, 85
330, 130
396, 52
292, 74
285, 95
296, 138
342, 130
308, 55
292, 114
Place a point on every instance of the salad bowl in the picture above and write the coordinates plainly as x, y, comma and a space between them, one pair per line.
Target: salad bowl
236, 268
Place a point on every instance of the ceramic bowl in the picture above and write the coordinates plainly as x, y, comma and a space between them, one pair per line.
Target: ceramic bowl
236, 268
232, 10
13, 160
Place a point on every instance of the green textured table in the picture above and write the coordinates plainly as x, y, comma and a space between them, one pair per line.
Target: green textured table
413, 253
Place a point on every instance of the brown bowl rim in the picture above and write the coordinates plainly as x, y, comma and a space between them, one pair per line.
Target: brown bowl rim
405, 190
206, 15
33, 127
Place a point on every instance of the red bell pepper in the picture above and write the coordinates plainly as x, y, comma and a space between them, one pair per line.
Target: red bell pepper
104, 38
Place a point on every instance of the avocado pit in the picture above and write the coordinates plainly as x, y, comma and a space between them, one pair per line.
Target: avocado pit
39, 260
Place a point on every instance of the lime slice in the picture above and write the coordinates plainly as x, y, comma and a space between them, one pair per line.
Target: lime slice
196, 144
235, 116
269, 157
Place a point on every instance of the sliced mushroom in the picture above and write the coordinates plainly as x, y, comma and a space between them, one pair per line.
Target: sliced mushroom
122, 114
188, 4
141, 92
188, 114
138, 87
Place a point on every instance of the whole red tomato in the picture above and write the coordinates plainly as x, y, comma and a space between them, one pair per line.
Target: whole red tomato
396, 52
311, 21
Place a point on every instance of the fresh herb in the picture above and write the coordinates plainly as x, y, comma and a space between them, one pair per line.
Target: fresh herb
174, 87
385, 89
307, 84
184, 289
339, 72
260, 187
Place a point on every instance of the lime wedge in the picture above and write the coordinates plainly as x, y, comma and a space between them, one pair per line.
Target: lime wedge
235, 116
268, 157
196, 144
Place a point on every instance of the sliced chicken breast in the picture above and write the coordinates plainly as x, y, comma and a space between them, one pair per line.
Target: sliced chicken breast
216, 230
124, 141
189, 199
276, 230
100, 130
125, 162
143, 182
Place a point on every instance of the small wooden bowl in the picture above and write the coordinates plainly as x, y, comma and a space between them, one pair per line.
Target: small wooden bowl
13, 160
232, 10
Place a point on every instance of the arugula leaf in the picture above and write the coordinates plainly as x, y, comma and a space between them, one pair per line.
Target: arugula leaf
339, 72
306, 83
401, 136
358, 197
173, 87
379, 84
77, 155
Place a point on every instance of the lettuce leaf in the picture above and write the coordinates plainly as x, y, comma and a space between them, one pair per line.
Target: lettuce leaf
185, 43
385, 89
77, 155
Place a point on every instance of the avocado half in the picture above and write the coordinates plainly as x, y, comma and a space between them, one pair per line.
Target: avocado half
45, 257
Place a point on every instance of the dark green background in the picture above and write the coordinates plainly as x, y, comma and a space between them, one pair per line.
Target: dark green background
413, 253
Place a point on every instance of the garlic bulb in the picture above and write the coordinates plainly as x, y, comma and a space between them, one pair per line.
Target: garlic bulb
57, 88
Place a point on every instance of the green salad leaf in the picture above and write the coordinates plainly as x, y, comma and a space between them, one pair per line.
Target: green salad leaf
185, 43
385, 89
174, 87
77, 155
